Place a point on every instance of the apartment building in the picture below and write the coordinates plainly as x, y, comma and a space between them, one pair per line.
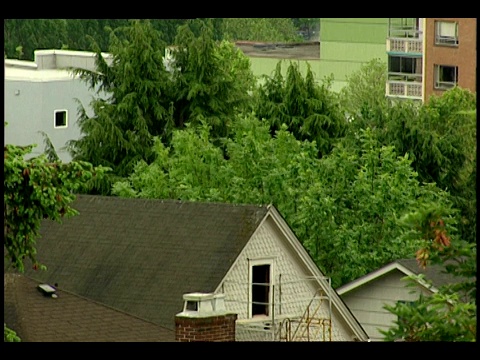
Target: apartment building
427, 56
424, 56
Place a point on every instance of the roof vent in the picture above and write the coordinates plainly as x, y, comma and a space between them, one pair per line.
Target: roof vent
200, 304
47, 290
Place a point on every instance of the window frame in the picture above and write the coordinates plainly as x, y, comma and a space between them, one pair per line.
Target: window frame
444, 85
260, 262
409, 68
443, 40
55, 112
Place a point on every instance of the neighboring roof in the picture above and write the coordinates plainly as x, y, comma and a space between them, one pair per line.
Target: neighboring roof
34, 75
299, 51
37, 317
50, 65
126, 253
434, 273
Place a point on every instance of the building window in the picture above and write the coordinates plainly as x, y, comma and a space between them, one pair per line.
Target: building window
446, 33
446, 77
404, 68
60, 119
260, 287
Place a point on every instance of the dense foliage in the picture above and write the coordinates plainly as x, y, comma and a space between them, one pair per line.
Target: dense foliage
23, 36
129, 109
150, 95
345, 204
439, 136
348, 217
310, 111
261, 29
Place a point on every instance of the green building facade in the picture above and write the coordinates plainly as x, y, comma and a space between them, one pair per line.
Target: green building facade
348, 43
345, 45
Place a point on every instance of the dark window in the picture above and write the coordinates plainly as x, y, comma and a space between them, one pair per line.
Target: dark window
192, 305
399, 64
60, 118
446, 77
260, 289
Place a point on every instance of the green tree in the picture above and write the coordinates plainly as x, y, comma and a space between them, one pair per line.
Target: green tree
348, 218
257, 169
33, 34
363, 98
205, 80
344, 207
439, 136
259, 29
133, 104
36, 189
9, 335
450, 314
310, 111
212, 80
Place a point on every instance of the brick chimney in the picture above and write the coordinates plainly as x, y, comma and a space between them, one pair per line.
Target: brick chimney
204, 318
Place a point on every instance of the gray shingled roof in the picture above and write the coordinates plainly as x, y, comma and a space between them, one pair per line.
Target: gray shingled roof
70, 318
141, 256
433, 272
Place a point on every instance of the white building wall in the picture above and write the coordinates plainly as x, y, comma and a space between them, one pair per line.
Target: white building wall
30, 107
293, 286
34, 90
368, 301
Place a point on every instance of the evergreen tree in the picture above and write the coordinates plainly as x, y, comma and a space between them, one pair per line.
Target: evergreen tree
133, 105
310, 111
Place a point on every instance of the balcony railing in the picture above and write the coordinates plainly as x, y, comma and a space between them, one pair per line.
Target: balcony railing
405, 45
404, 89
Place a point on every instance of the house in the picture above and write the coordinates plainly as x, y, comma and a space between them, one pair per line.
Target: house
42, 313
151, 258
367, 295
42, 96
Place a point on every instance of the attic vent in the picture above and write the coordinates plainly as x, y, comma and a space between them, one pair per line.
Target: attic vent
47, 290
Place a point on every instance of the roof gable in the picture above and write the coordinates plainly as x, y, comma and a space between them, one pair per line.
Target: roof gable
142, 255
408, 267
304, 259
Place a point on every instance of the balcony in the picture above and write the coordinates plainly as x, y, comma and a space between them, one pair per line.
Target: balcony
405, 36
407, 86
408, 46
